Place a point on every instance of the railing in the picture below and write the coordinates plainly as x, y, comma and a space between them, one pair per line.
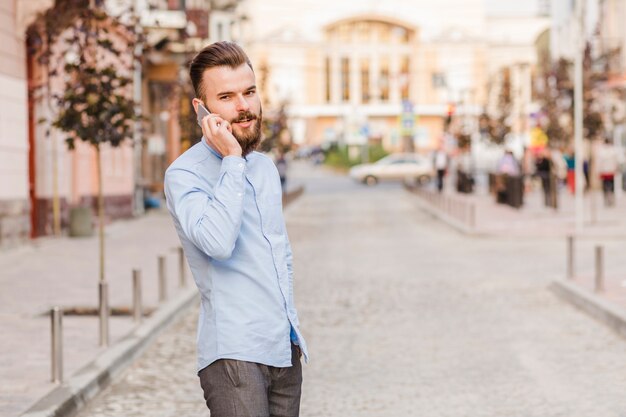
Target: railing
136, 311
459, 209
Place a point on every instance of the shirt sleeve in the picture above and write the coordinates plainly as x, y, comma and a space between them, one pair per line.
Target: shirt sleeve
210, 220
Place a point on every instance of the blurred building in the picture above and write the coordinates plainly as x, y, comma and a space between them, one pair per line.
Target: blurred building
355, 72
513, 64
175, 31
40, 173
612, 49
605, 38
14, 192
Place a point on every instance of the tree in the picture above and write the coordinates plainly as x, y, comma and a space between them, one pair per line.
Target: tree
95, 104
498, 126
276, 131
556, 96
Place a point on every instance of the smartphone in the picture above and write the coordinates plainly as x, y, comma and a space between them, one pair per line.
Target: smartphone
202, 113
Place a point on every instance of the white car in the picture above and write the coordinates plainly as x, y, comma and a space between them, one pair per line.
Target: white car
401, 166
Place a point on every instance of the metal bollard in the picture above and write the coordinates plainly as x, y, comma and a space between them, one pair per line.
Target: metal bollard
56, 318
137, 308
570, 257
162, 279
599, 281
103, 293
181, 266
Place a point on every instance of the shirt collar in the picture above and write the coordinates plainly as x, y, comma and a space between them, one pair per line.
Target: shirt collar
213, 151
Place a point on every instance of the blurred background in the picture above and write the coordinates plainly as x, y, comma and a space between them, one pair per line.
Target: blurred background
444, 163
354, 80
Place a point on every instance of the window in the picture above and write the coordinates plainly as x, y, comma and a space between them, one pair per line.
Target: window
345, 79
363, 30
405, 79
384, 79
365, 81
384, 32
328, 80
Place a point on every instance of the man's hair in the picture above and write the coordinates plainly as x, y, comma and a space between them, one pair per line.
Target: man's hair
218, 54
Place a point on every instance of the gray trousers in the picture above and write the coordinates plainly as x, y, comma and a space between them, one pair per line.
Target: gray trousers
235, 388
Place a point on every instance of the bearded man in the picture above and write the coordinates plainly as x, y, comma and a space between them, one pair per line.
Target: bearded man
226, 203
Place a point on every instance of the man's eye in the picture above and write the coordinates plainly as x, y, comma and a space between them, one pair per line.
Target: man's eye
250, 93
224, 98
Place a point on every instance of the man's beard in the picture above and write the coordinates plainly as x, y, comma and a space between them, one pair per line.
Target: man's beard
249, 138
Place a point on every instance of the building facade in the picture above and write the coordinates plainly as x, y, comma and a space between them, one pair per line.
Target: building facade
14, 192
357, 72
390, 73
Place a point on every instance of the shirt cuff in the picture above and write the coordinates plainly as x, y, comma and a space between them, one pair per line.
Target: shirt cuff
234, 164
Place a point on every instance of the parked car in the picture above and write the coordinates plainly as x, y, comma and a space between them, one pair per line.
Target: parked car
403, 167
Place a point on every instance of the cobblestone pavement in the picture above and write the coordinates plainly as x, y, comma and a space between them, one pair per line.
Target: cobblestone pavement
63, 272
406, 317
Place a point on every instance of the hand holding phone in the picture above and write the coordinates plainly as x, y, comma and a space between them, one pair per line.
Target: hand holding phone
202, 113
218, 133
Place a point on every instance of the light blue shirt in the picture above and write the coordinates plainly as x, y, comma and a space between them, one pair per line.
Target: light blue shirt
228, 215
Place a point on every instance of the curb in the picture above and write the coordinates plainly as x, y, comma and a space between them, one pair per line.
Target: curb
442, 216
86, 383
595, 306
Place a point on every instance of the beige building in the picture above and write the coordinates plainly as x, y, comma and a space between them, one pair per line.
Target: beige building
612, 46
353, 71
14, 188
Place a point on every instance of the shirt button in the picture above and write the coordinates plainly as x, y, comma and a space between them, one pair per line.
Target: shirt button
240, 165
239, 194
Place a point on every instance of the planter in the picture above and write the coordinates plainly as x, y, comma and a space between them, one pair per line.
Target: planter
81, 222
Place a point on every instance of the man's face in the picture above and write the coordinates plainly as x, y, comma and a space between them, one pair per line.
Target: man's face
231, 93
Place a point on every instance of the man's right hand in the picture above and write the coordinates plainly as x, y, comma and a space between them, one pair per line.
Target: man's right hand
219, 135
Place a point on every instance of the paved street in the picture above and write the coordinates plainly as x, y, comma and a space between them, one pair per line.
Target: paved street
406, 317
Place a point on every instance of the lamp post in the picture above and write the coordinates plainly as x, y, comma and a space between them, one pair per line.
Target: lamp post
578, 113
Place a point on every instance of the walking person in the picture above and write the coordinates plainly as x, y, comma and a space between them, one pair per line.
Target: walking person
608, 165
440, 163
225, 201
544, 169
570, 160
281, 166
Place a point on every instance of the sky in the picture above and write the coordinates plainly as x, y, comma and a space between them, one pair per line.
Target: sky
507, 7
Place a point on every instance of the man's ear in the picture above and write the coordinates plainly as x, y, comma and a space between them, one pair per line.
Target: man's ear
195, 103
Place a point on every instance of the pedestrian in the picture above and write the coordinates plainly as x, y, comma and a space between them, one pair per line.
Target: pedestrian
281, 166
570, 161
608, 164
508, 165
440, 163
559, 166
544, 170
225, 201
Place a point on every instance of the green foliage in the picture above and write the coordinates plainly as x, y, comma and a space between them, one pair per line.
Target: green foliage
376, 152
339, 156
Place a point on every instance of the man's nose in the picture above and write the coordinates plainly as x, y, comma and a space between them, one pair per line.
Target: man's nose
242, 104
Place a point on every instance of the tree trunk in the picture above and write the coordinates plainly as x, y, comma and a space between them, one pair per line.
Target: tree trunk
100, 211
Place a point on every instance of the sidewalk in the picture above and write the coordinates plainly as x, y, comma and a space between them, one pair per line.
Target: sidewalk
478, 214
64, 272
532, 219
